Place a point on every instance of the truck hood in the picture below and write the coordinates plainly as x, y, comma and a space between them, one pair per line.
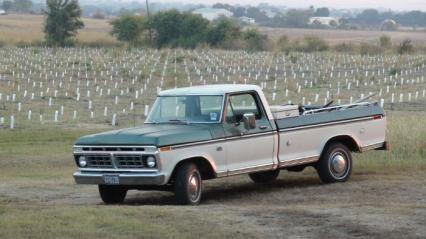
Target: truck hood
155, 134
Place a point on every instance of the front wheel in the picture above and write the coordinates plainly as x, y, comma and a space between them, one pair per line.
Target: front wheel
335, 164
188, 185
264, 177
111, 194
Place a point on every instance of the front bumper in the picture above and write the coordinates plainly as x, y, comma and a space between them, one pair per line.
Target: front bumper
124, 178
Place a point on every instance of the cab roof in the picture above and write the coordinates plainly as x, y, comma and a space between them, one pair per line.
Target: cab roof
210, 90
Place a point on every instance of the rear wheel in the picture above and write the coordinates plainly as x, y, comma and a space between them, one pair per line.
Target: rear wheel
111, 194
188, 185
335, 164
264, 177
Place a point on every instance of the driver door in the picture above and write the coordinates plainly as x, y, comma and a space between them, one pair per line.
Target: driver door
247, 149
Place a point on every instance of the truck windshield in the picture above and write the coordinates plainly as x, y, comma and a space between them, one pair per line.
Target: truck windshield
186, 109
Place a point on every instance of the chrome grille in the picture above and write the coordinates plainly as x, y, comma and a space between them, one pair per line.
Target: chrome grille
99, 161
129, 161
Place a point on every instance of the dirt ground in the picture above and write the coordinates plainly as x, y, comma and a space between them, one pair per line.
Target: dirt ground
370, 205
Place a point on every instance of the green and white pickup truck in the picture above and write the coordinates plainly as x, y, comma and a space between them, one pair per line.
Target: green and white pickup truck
206, 132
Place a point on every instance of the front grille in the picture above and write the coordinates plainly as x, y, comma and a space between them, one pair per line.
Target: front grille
129, 161
99, 161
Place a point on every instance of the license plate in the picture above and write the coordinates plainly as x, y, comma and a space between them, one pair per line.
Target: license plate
112, 179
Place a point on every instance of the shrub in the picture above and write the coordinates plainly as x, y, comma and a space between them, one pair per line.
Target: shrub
368, 49
405, 47
255, 41
385, 42
314, 43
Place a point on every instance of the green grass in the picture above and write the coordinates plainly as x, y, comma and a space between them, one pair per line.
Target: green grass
38, 198
116, 222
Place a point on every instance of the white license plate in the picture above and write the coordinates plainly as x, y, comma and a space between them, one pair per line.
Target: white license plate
112, 179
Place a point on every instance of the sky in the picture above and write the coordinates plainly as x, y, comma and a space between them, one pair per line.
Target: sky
400, 5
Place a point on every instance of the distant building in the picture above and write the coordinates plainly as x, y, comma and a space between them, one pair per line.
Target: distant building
3, 12
324, 21
269, 13
213, 13
247, 20
389, 25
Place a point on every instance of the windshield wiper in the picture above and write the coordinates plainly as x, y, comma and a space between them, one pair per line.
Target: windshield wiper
179, 121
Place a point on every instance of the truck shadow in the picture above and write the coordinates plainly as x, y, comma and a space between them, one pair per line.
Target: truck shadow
226, 191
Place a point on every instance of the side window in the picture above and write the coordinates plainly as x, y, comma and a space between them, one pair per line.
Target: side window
238, 105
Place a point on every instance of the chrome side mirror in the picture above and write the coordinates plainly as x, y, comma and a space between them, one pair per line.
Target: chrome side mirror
249, 121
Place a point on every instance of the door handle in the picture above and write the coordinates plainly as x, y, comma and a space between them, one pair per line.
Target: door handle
263, 127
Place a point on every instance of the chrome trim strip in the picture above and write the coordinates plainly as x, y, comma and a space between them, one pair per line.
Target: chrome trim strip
264, 167
223, 139
113, 170
371, 147
295, 162
115, 146
115, 153
326, 124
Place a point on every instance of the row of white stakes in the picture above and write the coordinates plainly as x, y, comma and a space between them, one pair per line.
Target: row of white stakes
56, 116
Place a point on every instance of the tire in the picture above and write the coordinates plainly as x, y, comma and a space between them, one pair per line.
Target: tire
264, 177
335, 164
188, 185
112, 194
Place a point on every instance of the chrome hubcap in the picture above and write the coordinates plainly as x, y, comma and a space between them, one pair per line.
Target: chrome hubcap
194, 186
338, 164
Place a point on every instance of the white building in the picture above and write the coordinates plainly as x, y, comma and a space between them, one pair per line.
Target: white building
213, 13
2, 12
326, 21
247, 20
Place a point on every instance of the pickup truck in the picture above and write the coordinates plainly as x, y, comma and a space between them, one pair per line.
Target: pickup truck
205, 132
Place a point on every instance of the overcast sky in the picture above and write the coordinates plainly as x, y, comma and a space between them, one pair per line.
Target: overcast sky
392, 4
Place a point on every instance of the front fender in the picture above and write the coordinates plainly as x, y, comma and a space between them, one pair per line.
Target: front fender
214, 153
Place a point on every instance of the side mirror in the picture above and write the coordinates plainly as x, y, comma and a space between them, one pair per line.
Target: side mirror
249, 121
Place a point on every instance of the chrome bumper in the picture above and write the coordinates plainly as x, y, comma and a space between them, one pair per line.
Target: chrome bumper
124, 178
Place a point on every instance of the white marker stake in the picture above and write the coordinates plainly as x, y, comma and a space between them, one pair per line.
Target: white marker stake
29, 114
382, 102
12, 122
105, 111
146, 110
56, 116
74, 115
113, 119
1, 120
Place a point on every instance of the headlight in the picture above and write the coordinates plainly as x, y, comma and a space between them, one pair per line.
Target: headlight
151, 162
82, 161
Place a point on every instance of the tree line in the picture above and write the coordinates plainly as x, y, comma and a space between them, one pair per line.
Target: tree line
186, 30
183, 29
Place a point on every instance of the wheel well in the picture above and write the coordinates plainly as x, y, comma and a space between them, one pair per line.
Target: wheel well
203, 165
348, 141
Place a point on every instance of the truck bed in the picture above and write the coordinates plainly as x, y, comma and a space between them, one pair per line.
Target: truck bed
303, 137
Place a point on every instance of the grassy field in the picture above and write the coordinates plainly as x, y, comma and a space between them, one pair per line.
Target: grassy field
349, 36
22, 28
385, 196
